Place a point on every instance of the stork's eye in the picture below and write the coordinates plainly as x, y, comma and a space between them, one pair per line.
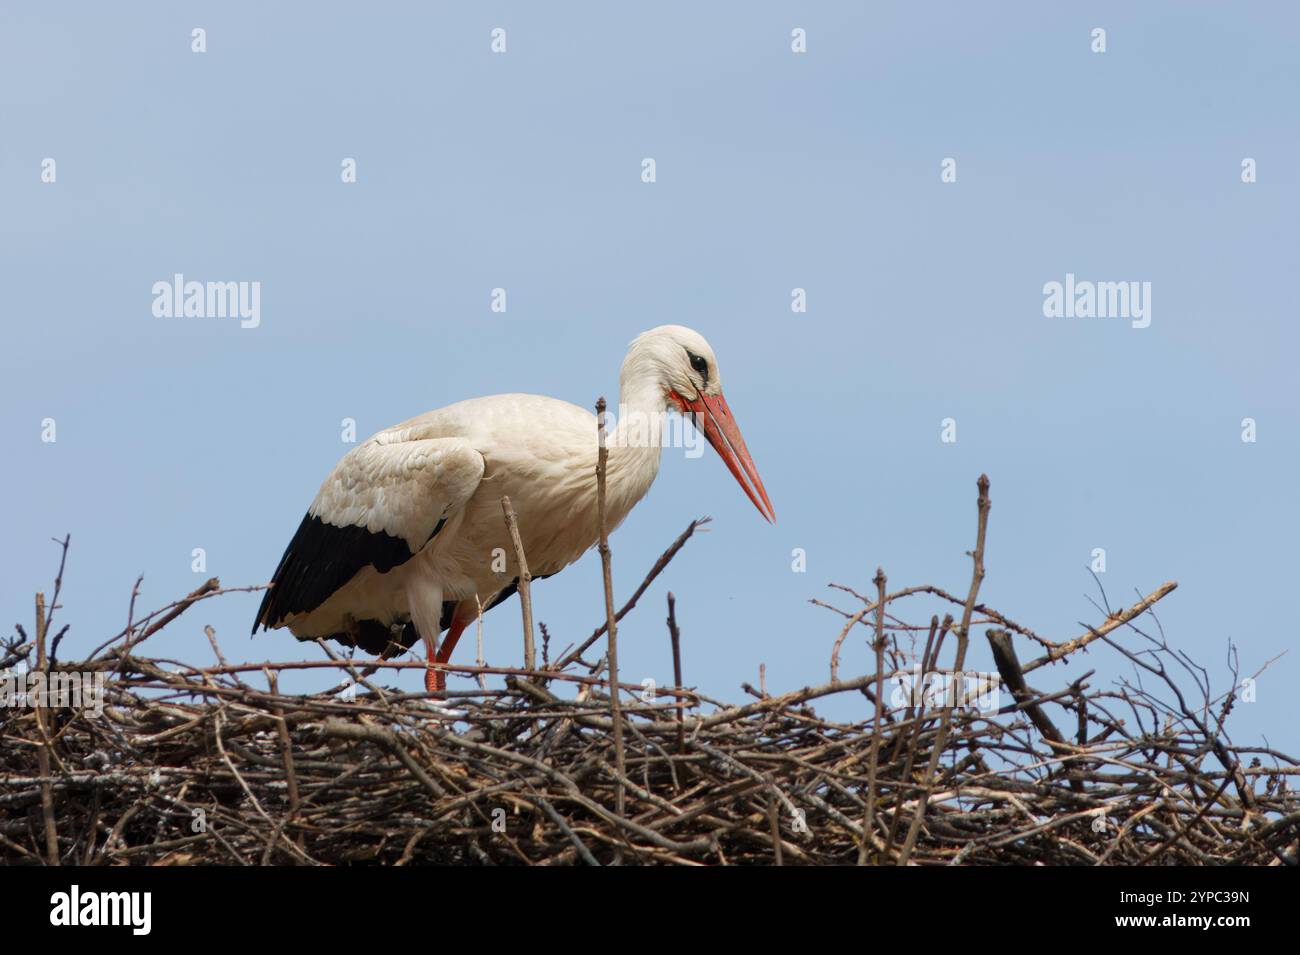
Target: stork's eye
700, 365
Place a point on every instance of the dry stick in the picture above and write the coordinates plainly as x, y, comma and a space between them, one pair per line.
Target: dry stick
658, 567
1181, 833
772, 703
1008, 664
900, 739
852, 620
773, 822
482, 678
839, 641
43, 753
387, 740
989, 612
963, 633
277, 831
209, 587
676, 637
376, 665
872, 767
54, 600
611, 624
912, 731
525, 579
286, 748
1113, 622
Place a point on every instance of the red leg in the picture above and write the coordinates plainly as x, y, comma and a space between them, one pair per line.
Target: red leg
436, 680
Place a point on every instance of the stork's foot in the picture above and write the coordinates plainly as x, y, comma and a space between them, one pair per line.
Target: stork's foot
435, 681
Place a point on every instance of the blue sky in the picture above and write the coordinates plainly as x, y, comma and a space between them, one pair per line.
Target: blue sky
774, 171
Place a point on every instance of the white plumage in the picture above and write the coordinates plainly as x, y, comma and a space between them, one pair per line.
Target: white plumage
406, 538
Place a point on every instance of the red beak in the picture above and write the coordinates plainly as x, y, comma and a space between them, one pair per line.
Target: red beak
713, 417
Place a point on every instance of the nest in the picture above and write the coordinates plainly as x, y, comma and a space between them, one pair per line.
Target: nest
212, 764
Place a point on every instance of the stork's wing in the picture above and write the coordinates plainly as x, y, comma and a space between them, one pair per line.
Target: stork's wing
380, 505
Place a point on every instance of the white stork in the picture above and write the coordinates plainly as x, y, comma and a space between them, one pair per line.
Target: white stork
406, 537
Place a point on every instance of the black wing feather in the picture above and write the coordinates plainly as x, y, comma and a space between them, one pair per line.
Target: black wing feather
319, 560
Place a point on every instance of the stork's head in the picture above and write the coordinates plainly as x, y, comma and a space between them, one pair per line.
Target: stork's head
679, 363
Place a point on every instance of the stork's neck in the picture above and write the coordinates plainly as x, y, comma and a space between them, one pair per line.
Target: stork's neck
636, 441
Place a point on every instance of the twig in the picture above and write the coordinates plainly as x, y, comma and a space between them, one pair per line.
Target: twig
524, 584
1114, 622
573, 655
611, 622
676, 637
977, 577
878, 725
45, 747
